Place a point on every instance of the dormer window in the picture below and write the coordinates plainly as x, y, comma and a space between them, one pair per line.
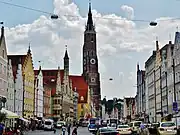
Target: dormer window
82, 98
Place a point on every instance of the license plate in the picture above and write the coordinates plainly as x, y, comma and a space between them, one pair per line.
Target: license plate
169, 130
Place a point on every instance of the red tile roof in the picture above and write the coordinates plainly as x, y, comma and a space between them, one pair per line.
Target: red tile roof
81, 87
49, 75
15, 60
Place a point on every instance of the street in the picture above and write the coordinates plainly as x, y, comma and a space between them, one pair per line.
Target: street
81, 131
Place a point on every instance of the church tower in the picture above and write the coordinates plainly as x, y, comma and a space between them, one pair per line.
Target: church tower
90, 62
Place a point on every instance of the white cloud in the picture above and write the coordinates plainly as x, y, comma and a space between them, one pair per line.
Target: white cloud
120, 42
128, 10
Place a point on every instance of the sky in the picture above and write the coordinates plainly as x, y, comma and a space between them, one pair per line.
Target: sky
122, 42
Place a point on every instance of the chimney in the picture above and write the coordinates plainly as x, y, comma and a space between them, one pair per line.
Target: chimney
2, 31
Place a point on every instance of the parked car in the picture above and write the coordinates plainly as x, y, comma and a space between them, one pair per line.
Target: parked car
167, 128
107, 131
124, 129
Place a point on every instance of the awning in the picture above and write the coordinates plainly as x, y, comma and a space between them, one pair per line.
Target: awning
9, 114
23, 119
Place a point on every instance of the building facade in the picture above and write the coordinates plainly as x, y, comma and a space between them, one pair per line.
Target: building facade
47, 102
62, 91
10, 89
84, 109
28, 80
76, 96
90, 62
150, 86
166, 56
3, 65
158, 90
129, 108
16, 62
39, 90
176, 58
141, 93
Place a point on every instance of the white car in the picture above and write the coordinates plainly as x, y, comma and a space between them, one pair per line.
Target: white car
167, 128
124, 129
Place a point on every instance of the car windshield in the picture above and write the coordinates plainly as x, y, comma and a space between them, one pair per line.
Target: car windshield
123, 126
137, 124
107, 130
47, 123
60, 123
113, 125
168, 124
131, 124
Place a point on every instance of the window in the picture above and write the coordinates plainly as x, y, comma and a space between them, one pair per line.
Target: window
0, 68
3, 54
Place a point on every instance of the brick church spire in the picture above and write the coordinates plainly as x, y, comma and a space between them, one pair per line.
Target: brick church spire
90, 25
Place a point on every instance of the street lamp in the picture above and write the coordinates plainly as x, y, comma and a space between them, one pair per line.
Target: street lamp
153, 23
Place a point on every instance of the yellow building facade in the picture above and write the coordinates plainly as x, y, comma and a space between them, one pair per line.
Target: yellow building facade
28, 79
84, 109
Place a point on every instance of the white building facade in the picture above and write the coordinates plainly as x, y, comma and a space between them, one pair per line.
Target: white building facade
10, 89
39, 97
150, 79
3, 65
19, 91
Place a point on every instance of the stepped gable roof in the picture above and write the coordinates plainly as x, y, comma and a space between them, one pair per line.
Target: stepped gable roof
50, 77
15, 60
81, 86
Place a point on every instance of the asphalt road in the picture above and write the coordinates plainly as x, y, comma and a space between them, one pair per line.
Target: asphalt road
81, 131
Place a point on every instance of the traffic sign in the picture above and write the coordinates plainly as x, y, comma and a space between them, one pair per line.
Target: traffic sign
175, 106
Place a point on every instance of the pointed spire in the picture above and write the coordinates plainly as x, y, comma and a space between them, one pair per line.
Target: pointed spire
29, 49
138, 66
90, 20
157, 44
66, 53
39, 65
2, 31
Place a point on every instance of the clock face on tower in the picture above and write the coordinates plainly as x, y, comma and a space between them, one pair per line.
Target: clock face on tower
93, 61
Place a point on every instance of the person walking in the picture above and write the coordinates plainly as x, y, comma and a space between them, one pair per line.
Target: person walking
2, 128
63, 130
74, 131
69, 129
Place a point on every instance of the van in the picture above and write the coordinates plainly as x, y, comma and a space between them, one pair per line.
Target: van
135, 125
48, 124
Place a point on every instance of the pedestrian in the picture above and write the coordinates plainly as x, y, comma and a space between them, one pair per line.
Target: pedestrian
1, 128
74, 131
63, 130
54, 130
69, 129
